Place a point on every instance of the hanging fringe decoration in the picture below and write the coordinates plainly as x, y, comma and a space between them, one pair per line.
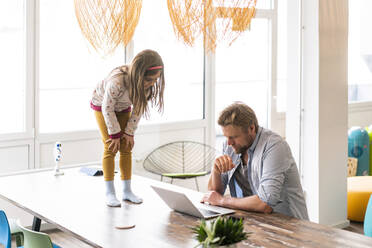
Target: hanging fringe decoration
216, 20
186, 16
106, 24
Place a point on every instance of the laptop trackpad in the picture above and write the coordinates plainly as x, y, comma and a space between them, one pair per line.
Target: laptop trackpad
207, 212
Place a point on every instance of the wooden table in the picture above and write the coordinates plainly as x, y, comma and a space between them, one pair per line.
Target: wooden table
75, 204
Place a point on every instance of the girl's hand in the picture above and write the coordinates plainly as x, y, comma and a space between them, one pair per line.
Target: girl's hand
115, 144
129, 141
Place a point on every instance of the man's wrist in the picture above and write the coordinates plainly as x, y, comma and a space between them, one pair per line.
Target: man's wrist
225, 200
216, 171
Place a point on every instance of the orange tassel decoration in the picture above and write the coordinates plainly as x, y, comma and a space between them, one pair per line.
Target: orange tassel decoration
106, 24
216, 20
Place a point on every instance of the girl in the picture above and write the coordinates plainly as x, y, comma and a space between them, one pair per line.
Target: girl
126, 86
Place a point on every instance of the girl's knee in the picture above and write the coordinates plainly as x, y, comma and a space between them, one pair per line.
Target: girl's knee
126, 153
125, 149
109, 153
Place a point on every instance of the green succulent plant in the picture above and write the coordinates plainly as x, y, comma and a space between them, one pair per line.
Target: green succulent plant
222, 231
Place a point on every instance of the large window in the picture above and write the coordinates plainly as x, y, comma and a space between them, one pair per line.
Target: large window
360, 51
12, 66
183, 95
49, 72
281, 89
242, 71
66, 68
69, 69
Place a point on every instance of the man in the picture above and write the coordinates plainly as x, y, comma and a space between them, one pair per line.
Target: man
258, 167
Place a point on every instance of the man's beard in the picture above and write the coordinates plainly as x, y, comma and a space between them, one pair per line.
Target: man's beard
242, 150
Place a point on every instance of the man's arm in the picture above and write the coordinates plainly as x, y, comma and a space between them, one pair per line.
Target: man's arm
221, 165
249, 203
215, 182
215, 185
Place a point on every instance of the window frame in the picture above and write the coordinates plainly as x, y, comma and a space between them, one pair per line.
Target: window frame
34, 139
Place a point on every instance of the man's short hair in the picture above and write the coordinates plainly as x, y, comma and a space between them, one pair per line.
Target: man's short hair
238, 114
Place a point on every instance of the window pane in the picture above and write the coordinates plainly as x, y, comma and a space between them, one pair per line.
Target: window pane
12, 65
69, 70
360, 51
242, 71
281, 99
261, 4
183, 96
264, 4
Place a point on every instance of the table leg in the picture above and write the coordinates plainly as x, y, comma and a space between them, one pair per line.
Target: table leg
36, 224
19, 239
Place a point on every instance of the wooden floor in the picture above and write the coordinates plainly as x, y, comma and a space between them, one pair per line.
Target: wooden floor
356, 227
67, 241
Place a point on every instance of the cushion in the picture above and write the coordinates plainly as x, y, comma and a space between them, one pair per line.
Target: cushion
185, 175
359, 190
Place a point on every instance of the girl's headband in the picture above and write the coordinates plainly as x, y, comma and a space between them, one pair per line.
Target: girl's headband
155, 68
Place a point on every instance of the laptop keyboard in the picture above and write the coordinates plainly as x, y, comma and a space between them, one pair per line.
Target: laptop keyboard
207, 212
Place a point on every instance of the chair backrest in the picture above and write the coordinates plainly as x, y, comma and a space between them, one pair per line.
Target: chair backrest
352, 164
181, 157
368, 219
5, 235
34, 239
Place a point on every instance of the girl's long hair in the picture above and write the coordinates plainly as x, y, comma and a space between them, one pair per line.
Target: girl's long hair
138, 70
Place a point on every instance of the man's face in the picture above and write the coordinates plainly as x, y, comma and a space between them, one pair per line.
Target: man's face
238, 139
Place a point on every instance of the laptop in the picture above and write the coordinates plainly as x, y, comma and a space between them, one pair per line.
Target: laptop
181, 203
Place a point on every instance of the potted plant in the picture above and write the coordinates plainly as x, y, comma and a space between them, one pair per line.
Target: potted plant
220, 232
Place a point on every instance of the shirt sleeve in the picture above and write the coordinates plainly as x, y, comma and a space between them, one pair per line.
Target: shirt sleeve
132, 124
110, 97
275, 164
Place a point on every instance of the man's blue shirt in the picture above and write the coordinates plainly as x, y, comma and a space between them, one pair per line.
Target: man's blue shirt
272, 174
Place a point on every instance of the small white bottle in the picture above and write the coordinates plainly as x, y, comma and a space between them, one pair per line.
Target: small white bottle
57, 158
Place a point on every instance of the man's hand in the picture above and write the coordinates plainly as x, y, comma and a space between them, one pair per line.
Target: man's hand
115, 144
213, 198
129, 141
223, 164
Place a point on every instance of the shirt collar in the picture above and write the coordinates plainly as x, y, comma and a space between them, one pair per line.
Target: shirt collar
250, 150
254, 144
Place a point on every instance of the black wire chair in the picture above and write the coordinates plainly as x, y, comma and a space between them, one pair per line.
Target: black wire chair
181, 160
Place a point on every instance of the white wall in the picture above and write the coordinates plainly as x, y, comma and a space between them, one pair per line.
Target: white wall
360, 114
321, 113
14, 157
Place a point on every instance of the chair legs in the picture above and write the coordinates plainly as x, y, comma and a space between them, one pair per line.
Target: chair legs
36, 224
19, 239
196, 182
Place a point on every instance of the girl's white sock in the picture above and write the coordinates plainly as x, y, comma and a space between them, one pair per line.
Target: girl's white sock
128, 194
111, 199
